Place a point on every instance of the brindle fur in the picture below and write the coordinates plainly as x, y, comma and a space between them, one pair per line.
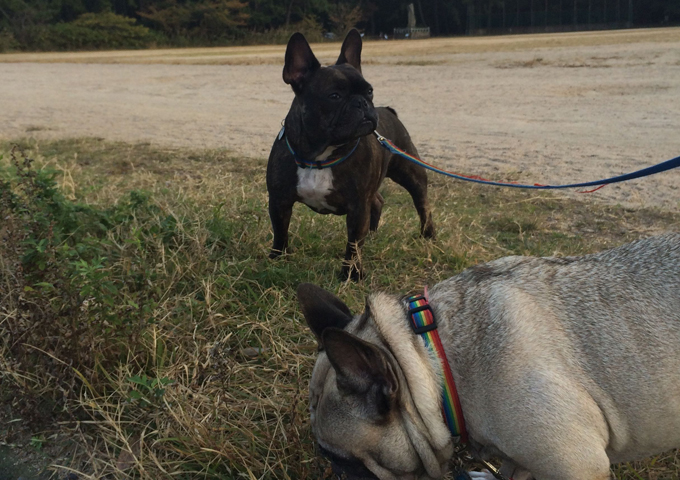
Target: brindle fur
315, 123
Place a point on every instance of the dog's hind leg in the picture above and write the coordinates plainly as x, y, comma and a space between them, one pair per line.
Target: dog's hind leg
555, 430
571, 463
558, 451
376, 211
414, 179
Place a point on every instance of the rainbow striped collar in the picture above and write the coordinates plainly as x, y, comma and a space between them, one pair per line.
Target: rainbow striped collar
424, 324
319, 164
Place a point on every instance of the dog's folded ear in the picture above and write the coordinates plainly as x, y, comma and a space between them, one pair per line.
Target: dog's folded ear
322, 309
300, 62
362, 369
350, 52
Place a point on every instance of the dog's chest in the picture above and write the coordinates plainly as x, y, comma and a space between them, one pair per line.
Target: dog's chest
314, 186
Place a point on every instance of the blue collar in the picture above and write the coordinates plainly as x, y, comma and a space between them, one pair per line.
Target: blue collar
318, 164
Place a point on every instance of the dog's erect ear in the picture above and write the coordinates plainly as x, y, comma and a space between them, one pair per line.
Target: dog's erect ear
300, 62
350, 52
322, 309
362, 369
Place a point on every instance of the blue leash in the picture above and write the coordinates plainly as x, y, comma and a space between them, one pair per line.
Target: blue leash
658, 168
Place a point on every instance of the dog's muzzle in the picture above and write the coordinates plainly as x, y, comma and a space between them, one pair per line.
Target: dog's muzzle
347, 469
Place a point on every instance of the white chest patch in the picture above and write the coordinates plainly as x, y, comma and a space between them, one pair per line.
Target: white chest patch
314, 185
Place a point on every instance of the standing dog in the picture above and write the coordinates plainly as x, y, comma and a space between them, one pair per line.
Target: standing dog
562, 365
327, 157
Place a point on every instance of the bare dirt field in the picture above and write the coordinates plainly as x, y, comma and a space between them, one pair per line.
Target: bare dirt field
550, 108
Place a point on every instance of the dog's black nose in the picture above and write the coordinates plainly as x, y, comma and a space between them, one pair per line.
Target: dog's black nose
360, 103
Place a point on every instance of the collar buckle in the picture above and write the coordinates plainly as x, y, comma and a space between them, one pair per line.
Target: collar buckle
419, 330
421, 323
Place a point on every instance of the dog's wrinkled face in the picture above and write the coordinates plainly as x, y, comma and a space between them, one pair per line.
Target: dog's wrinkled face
337, 103
356, 395
356, 428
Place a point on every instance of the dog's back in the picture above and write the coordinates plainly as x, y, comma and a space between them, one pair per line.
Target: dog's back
599, 334
622, 314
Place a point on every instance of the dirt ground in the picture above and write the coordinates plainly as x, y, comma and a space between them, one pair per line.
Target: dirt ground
551, 108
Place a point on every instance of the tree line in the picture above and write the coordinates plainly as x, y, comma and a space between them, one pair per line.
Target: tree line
91, 24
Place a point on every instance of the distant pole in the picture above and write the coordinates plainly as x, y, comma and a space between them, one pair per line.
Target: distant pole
546, 14
630, 13
488, 17
560, 17
575, 13
290, 9
471, 17
604, 13
411, 16
436, 17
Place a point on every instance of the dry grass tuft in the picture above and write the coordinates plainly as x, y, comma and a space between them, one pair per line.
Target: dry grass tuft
188, 356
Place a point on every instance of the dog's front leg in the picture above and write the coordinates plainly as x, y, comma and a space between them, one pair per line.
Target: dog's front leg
280, 217
358, 221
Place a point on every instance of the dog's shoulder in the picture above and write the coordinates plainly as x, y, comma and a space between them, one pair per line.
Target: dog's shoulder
501, 268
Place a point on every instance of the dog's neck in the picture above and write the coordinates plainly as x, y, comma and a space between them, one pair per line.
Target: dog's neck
308, 146
421, 370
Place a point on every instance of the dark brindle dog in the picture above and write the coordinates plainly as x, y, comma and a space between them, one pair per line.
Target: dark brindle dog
331, 122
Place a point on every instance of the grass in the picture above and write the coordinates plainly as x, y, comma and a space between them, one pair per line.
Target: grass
139, 309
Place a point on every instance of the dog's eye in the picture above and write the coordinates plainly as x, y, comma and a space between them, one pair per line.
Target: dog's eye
370, 92
334, 96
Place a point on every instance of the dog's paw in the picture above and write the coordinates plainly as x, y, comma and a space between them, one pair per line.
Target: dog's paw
350, 272
274, 253
429, 232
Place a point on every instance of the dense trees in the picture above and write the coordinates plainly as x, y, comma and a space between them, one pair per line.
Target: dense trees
41, 24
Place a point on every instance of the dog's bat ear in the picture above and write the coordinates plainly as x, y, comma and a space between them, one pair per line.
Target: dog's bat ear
350, 52
300, 62
362, 369
322, 309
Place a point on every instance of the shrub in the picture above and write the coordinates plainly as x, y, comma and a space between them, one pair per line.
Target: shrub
93, 31
67, 294
208, 20
144, 323
309, 26
7, 41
